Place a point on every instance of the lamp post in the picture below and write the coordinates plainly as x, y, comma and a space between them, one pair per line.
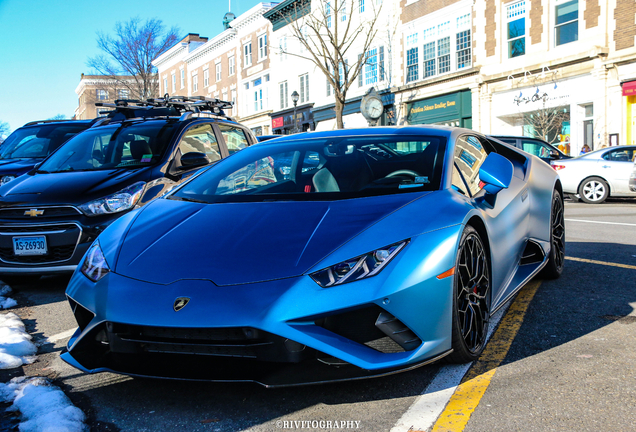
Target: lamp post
294, 97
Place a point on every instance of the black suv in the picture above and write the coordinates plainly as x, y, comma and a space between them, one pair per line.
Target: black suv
34, 141
534, 146
50, 216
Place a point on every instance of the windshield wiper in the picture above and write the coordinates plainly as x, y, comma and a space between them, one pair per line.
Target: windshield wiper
178, 198
42, 172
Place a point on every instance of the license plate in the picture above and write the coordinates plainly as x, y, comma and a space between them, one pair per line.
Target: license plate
35, 245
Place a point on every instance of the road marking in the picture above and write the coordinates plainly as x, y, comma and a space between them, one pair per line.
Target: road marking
59, 336
611, 264
427, 407
600, 222
469, 393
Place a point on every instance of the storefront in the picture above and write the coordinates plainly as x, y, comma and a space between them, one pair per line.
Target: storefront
453, 109
629, 93
554, 110
284, 123
325, 116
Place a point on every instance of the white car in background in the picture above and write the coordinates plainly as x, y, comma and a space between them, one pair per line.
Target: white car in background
599, 174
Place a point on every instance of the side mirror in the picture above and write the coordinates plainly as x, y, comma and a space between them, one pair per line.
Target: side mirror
554, 154
496, 173
194, 159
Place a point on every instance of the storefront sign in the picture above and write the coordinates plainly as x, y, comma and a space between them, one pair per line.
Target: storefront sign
277, 122
629, 88
453, 106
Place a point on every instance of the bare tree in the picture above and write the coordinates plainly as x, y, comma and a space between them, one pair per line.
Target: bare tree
329, 34
58, 117
545, 123
128, 55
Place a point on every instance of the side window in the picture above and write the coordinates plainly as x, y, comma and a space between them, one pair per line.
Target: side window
457, 182
201, 139
468, 157
620, 155
535, 148
235, 137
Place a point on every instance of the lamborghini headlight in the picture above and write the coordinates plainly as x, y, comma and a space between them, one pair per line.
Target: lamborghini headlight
118, 202
95, 266
357, 268
6, 179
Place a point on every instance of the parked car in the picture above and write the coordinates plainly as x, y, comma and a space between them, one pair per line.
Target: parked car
262, 138
51, 215
597, 175
535, 146
30, 144
391, 252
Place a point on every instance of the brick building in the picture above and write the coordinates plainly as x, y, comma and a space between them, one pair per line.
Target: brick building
97, 88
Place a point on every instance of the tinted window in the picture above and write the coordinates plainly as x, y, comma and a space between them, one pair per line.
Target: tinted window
116, 146
323, 169
536, 148
235, 138
200, 139
620, 155
38, 141
468, 157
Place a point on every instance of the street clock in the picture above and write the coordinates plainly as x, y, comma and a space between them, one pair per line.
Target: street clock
371, 107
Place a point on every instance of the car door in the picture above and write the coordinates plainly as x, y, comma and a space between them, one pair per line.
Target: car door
506, 216
616, 166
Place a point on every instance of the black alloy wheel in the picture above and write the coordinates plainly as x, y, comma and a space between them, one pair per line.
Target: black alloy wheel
472, 297
554, 267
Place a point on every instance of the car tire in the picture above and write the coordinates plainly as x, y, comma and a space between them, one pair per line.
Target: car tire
554, 267
471, 298
594, 190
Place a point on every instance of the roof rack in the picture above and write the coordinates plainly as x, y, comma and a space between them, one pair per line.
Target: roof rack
176, 106
46, 121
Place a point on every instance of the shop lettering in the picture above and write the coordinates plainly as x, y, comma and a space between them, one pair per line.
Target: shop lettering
534, 98
440, 105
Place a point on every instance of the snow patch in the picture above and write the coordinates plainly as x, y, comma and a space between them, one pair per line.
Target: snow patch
16, 347
43, 406
6, 302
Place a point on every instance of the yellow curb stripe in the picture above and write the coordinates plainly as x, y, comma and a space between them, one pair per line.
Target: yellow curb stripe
627, 266
468, 394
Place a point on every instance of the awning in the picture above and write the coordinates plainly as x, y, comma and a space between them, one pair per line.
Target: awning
629, 88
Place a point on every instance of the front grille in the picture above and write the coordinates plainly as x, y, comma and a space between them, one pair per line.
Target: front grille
55, 253
48, 212
34, 229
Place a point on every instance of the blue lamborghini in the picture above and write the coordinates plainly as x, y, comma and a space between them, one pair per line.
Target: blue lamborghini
320, 257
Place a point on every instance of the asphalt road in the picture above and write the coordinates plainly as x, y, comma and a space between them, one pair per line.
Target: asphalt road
570, 366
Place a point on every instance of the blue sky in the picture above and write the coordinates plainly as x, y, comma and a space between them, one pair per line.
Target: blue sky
44, 45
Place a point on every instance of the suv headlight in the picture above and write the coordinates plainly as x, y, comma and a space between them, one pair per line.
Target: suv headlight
357, 268
94, 266
6, 179
118, 202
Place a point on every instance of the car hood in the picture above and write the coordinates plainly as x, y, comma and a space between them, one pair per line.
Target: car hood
68, 187
241, 243
17, 166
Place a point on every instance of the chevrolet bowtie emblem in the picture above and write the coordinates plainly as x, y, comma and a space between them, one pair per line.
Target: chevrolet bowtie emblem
34, 212
180, 303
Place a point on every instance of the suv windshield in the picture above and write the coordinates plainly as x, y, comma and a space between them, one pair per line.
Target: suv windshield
38, 141
108, 147
322, 169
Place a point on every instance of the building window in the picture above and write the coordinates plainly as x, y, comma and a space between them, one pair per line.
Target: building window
206, 78
247, 54
282, 48
371, 67
262, 47
218, 71
361, 5
102, 94
230, 66
123, 94
328, 14
174, 83
195, 82
443, 55
381, 64
428, 55
258, 94
329, 86
411, 65
516, 29
284, 100
463, 49
182, 78
566, 27
165, 85
304, 88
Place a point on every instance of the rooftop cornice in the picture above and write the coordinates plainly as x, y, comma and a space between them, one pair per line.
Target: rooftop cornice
96, 80
251, 15
209, 47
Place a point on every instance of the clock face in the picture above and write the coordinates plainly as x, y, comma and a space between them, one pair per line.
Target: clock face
374, 108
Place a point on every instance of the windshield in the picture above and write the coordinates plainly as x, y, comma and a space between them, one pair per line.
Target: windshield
38, 141
108, 147
322, 169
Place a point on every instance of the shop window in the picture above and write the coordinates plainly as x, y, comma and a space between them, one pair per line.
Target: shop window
566, 26
516, 29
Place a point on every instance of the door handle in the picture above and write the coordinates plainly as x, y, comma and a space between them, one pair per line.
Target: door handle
606, 166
